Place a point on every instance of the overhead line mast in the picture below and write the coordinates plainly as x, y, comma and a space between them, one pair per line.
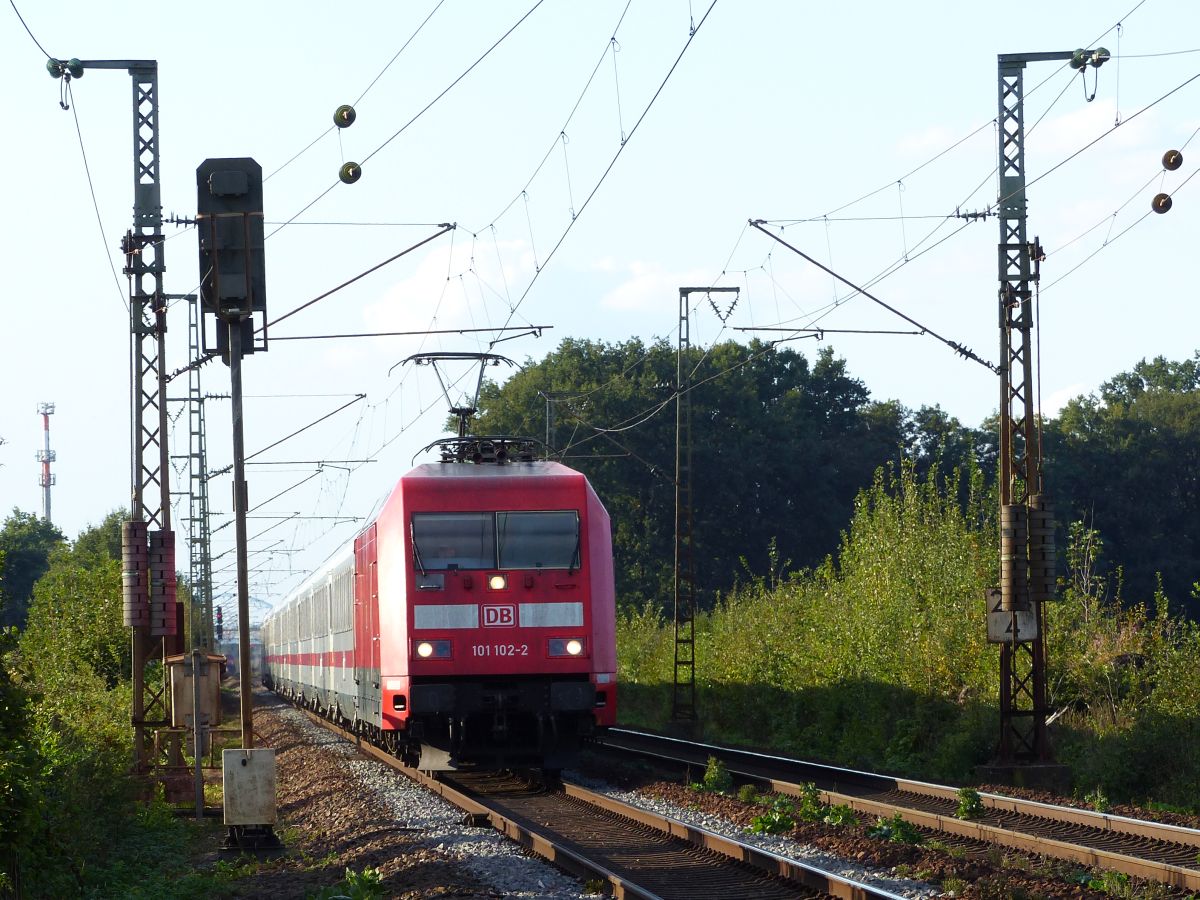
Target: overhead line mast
1016, 612
683, 692
148, 543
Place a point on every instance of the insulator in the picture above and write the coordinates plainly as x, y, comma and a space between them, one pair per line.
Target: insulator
344, 116
135, 575
1042, 556
1100, 56
1079, 59
162, 583
350, 172
1161, 203
54, 67
1172, 160
75, 67
1013, 557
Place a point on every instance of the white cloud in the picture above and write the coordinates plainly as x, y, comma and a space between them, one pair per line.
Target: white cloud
457, 286
649, 288
1053, 403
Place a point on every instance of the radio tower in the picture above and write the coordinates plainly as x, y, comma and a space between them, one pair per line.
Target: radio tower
45, 457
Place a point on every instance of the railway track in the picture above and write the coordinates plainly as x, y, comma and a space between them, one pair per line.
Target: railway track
637, 853
1142, 849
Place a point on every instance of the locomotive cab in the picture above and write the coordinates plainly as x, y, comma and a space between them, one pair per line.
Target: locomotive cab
509, 614
472, 622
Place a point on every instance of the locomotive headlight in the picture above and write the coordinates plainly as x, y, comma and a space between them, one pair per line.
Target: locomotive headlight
498, 582
433, 649
565, 647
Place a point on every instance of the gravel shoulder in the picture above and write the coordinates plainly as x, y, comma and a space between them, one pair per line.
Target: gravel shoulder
339, 810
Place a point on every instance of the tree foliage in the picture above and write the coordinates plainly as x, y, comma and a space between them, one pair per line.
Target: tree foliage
780, 448
25, 545
878, 659
70, 675
1127, 462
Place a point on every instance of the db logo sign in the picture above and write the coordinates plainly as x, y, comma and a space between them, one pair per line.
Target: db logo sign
499, 616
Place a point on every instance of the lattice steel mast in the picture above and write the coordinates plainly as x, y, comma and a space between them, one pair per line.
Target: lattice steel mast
148, 544
683, 696
199, 526
1027, 558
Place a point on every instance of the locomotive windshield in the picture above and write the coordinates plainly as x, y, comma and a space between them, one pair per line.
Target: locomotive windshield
538, 540
455, 540
504, 540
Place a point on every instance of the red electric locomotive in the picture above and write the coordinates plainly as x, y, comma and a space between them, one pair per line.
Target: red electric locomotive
472, 621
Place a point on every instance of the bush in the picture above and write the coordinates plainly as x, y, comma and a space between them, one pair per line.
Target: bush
970, 806
841, 815
717, 777
779, 819
896, 829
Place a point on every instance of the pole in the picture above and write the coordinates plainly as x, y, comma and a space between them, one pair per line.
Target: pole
198, 732
683, 697
239, 512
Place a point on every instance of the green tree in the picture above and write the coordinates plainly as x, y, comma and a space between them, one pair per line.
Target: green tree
1127, 462
18, 763
26, 542
780, 448
102, 541
75, 620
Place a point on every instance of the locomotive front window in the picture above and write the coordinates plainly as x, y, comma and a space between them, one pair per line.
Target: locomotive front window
454, 540
538, 540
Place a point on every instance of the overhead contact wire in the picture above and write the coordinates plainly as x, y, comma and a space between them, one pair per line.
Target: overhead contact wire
424, 110
611, 163
358, 100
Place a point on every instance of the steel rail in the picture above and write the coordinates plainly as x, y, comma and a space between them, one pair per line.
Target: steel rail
750, 764
476, 813
763, 860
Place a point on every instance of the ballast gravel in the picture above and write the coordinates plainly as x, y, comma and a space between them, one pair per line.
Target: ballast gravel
502, 867
401, 823
781, 846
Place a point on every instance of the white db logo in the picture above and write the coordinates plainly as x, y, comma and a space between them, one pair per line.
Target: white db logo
499, 616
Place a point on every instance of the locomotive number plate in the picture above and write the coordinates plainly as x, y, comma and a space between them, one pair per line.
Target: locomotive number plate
499, 649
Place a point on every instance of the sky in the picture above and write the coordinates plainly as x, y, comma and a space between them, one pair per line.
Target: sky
594, 158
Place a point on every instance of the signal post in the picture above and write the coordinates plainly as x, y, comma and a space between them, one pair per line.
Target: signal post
229, 218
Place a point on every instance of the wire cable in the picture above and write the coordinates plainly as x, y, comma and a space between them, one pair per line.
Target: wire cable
409, 123
455, 82
325, 133
954, 345
611, 164
38, 43
95, 203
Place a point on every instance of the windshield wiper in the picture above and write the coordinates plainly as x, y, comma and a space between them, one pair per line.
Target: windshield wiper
417, 555
576, 561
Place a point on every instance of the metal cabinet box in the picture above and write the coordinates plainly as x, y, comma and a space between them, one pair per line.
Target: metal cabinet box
249, 786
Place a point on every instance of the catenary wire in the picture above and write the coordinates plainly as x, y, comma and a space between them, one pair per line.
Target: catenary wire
38, 43
324, 133
95, 203
611, 164
407, 124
